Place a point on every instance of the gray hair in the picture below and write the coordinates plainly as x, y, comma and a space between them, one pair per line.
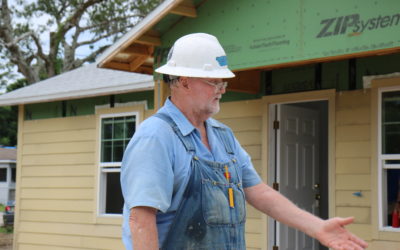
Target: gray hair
170, 79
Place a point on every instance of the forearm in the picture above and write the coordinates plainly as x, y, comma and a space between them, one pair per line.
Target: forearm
272, 203
142, 222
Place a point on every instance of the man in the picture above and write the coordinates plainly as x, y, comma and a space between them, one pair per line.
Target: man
186, 179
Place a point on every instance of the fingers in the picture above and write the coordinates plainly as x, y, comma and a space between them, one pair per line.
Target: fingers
359, 241
347, 246
355, 239
351, 243
345, 221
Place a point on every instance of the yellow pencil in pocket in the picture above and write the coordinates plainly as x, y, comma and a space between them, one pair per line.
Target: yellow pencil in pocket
230, 193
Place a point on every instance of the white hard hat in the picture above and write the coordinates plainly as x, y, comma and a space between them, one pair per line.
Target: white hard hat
197, 55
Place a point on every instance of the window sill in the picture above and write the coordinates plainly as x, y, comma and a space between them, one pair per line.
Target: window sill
390, 229
111, 219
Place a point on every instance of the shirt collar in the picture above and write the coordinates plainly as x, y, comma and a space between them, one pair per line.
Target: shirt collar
179, 118
181, 121
214, 123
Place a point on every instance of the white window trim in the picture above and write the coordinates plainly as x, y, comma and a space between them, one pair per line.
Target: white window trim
381, 166
108, 167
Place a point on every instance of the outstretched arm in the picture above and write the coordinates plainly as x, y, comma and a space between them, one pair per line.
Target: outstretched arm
329, 232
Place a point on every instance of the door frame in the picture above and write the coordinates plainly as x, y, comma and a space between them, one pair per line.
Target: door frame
321, 95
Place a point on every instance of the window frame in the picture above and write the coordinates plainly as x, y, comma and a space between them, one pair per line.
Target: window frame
382, 166
109, 167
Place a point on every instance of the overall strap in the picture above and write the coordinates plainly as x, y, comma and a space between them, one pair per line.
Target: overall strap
186, 140
225, 137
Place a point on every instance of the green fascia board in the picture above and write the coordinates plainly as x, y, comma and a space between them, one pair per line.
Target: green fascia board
86, 106
43, 110
258, 33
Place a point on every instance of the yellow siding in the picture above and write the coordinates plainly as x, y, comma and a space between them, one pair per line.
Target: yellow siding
395, 245
355, 182
56, 159
56, 205
352, 116
57, 182
353, 159
363, 231
353, 166
74, 241
57, 216
347, 199
59, 148
90, 230
60, 170
244, 118
59, 136
68, 124
57, 187
242, 109
350, 133
362, 215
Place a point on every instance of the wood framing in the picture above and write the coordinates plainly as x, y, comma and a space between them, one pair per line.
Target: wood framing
186, 8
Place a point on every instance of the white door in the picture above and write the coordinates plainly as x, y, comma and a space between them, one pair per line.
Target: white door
298, 169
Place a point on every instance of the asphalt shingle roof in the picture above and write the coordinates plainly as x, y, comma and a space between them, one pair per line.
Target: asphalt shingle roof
86, 81
8, 154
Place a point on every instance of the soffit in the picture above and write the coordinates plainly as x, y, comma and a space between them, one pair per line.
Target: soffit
134, 52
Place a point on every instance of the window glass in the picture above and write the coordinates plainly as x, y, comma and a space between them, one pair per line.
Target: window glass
129, 128
107, 128
114, 198
118, 150
3, 174
115, 136
391, 122
13, 174
393, 196
119, 128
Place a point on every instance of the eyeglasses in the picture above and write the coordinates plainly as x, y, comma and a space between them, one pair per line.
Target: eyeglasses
217, 85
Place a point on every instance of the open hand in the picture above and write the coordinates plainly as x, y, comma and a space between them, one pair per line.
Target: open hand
334, 235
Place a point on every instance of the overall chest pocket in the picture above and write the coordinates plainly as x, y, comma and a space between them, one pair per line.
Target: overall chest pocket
215, 199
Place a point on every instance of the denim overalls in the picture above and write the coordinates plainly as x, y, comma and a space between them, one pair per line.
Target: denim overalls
208, 217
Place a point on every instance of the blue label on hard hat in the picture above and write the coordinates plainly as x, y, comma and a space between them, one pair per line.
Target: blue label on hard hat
222, 60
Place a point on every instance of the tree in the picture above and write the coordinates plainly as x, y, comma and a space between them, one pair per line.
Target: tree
9, 118
44, 50
8, 125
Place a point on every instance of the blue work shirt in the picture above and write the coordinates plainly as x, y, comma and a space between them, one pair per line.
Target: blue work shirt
155, 167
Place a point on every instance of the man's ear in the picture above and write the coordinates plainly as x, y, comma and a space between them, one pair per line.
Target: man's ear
184, 81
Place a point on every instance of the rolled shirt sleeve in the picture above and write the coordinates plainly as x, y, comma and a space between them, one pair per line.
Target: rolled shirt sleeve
147, 172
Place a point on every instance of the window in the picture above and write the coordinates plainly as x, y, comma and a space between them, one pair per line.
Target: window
13, 173
3, 174
116, 132
389, 158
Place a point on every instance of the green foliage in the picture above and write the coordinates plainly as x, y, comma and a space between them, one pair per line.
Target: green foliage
9, 118
7, 230
8, 125
16, 85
